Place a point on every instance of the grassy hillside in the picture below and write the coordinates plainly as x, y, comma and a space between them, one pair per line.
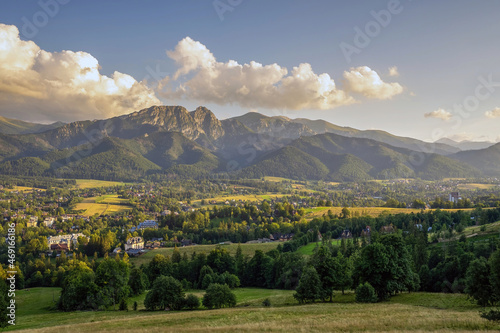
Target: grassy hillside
415, 312
247, 250
14, 126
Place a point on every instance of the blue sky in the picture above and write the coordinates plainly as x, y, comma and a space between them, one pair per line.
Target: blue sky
441, 50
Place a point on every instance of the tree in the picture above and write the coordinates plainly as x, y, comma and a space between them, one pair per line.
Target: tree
219, 296
325, 266
79, 290
138, 281
4, 302
192, 302
372, 267
220, 260
123, 305
401, 271
309, 288
166, 292
477, 282
205, 281
494, 262
365, 293
112, 277
257, 269
343, 272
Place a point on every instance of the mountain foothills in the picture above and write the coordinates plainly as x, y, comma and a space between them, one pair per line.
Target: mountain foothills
167, 141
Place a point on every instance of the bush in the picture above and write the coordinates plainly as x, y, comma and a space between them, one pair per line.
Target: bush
219, 296
123, 305
493, 315
365, 293
266, 302
192, 302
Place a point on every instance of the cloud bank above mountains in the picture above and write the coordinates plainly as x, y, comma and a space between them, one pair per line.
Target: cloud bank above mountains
266, 86
49, 86
40, 85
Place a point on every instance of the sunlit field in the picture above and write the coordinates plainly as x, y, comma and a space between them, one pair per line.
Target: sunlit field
247, 249
107, 204
415, 312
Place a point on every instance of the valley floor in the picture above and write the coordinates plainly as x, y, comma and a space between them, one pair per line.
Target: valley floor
416, 312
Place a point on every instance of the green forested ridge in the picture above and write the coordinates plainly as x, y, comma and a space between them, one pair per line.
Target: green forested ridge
170, 141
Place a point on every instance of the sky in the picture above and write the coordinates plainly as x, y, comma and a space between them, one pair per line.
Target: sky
418, 68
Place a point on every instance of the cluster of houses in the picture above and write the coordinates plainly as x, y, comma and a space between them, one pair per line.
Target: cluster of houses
147, 224
64, 242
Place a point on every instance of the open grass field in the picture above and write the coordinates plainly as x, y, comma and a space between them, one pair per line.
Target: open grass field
247, 249
94, 183
368, 211
309, 248
416, 312
357, 211
474, 186
106, 204
474, 233
22, 189
250, 197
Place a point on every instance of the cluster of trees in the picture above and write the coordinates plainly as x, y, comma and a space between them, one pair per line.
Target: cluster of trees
482, 280
82, 288
384, 265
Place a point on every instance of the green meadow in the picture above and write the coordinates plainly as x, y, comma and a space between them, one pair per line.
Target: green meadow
415, 312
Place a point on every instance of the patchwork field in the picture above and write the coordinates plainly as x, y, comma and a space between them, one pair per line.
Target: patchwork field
107, 204
369, 211
358, 211
251, 197
474, 186
247, 249
94, 183
415, 312
24, 189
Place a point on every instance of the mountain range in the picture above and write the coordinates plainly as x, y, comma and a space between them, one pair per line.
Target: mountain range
167, 141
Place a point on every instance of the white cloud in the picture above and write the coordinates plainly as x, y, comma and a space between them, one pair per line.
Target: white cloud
439, 114
254, 85
473, 137
393, 71
495, 113
40, 85
365, 81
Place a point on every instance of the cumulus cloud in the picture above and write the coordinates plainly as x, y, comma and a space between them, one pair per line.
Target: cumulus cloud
495, 113
200, 76
439, 114
365, 81
40, 85
393, 71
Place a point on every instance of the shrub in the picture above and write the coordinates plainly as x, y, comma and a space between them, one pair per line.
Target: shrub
219, 296
192, 302
493, 315
365, 293
166, 292
123, 305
